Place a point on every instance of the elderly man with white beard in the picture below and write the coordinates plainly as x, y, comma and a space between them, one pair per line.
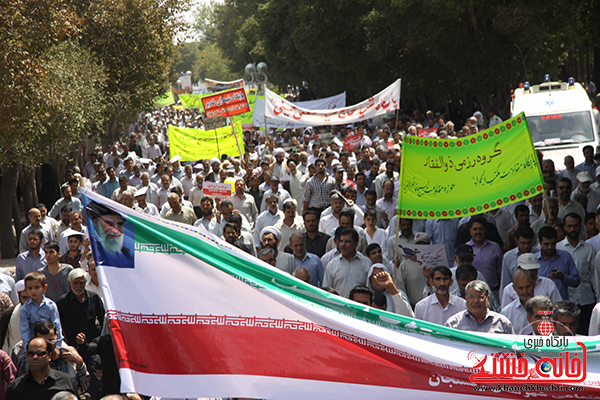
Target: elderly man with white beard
110, 234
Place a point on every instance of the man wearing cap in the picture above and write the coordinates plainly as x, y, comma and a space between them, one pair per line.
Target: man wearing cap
515, 311
584, 181
142, 204
76, 224
270, 238
441, 305
410, 277
281, 193
279, 167
583, 254
338, 175
213, 176
316, 195
243, 202
74, 254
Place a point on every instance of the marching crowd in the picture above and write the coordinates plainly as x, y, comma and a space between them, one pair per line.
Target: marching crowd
304, 204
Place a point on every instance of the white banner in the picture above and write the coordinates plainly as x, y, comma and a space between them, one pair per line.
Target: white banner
329, 103
385, 101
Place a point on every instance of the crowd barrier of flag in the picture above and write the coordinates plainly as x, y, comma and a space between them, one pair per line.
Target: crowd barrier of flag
192, 316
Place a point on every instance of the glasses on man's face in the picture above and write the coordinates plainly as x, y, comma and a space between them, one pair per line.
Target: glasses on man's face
39, 353
475, 296
113, 224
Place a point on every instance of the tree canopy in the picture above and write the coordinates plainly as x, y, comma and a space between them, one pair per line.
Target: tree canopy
449, 54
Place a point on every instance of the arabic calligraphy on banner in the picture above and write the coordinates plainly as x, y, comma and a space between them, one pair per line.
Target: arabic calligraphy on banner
449, 178
226, 104
383, 102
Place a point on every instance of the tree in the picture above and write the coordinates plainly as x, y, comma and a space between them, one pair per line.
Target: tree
214, 64
29, 29
135, 41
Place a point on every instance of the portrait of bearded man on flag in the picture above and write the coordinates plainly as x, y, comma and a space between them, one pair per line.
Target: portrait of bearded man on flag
114, 238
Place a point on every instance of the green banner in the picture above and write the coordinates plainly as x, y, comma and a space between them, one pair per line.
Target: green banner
450, 178
198, 144
165, 100
195, 100
246, 118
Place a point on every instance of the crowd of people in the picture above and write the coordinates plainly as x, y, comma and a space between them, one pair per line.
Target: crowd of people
304, 204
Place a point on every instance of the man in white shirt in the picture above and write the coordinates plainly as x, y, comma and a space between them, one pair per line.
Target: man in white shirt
523, 285
350, 268
187, 181
542, 285
267, 218
243, 202
441, 305
142, 203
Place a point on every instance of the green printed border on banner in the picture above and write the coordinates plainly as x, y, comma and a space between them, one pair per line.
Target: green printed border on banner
451, 144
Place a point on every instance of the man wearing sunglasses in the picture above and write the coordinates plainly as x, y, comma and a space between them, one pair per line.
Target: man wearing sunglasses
110, 233
41, 382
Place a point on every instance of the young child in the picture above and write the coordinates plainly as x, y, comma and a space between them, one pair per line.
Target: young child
38, 308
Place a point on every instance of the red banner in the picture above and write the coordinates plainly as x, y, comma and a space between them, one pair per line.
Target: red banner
216, 190
226, 104
352, 143
425, 132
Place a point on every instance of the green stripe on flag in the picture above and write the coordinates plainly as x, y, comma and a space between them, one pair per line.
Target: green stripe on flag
265, 279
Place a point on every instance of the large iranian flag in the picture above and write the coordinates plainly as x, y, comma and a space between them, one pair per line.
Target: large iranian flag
193, 317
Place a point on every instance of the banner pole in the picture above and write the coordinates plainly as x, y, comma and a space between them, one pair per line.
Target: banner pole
236, 138
217, 139
396, 247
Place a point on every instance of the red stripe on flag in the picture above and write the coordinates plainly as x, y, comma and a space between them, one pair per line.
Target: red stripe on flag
287, 353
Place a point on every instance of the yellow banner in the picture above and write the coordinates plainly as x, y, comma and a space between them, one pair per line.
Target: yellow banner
198, 144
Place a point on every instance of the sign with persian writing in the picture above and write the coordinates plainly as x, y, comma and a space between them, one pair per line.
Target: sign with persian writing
226, 104
450, 178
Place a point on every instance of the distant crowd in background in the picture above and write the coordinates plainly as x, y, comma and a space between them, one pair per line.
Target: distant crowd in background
324, 214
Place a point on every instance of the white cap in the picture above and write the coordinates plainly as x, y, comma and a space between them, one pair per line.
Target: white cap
141, 192
528, 261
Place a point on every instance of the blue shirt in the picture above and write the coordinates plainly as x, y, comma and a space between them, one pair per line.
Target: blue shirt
108, 187
563, 262
26, 263
31, 313
589, 168
314, 265
488, 261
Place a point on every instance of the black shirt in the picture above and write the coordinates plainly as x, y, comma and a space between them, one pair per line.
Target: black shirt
318, 245
258, 195
26, 388
78, 317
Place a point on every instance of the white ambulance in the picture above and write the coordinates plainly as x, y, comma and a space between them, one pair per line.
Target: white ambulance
560, 118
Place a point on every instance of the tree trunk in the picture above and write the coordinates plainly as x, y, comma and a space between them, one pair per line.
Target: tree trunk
111, 132
17, 218
7, 191
28, 187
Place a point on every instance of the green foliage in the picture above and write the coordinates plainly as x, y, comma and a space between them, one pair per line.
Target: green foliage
29, 28
214, 64
189, 55
135, 41
468, 52
76, 106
